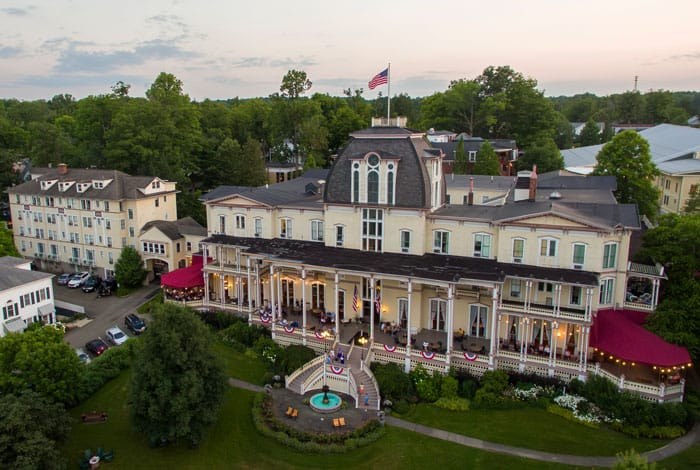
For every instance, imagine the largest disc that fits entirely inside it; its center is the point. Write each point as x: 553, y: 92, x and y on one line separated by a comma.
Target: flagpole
x: 388, y: 95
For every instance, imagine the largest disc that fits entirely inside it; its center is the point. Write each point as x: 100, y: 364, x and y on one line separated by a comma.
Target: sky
x: 224, y: 49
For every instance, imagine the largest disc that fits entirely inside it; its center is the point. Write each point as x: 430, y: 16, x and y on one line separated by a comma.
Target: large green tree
x: 178, y: 382
x: 7, y: 242
x: 692, y: 205
x: 129, y: 270
x: 545, y: 154
x: 590, y: 134
x: 460, y: 167
x: 40, y: 360
x: 673, y: 243
x: 30, y: 427
x: 252, y: 165
x: 486, y: 161
x: 628, y: 159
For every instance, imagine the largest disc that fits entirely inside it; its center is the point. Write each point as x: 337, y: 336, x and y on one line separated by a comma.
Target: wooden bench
x: 94, y: 417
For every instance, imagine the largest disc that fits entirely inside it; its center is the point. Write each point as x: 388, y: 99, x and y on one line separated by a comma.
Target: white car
x: 78, y: 279
x: 83, y: 355
x: 116, y: 336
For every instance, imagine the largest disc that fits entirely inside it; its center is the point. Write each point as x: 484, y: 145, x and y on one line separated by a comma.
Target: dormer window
x: 155, y: 185
x: 373, y: 179
x: 97, y: 184
x: 47, y: 184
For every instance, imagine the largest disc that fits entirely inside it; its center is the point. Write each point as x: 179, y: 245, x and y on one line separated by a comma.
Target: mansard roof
x: 441, y: 268
x: 404, y: 145
x: 177, y: 229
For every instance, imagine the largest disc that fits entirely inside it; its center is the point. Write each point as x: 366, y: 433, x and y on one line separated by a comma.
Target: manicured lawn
x: 240, y: 365
x: 690, y: 459
x: 233, y: 443
x: 531, y: 428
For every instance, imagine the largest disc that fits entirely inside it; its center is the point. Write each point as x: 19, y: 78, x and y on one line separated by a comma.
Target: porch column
x: 272, y: 299
x: 258, y: 300
x: 250, y: 310
x: 557, y: 299
x: 303, y: 306
x: 589, y: 303
x: 407, y: 363
x: 495, y: 324
x: 525, y: 341
x: 528, y: 293
x: 278, y: 286
x: 583, y: 361
x: 553, y: 348
x: 655, y: 298
x: 206, y: 288
x: 337, y: 311
x: 450, y: 322
x: 222, y: 291
x: 371, y: 309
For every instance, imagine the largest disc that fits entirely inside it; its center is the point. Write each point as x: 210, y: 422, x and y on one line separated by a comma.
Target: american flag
x: 380, y: 79
x: 354, y: 300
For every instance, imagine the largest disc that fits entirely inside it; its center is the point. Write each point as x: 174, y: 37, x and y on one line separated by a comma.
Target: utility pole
x: 636, y: 79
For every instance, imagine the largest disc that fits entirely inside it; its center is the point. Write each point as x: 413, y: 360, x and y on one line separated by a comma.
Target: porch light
x: 633, y: 364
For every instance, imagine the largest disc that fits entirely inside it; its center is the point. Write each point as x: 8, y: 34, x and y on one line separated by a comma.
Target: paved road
x: 104, y: 312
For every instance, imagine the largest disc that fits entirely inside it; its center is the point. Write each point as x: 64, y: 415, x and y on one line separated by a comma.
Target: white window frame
x: 405, y: 236
x: 550, y: 246
x: 571, y: 295
x: 317, y: 230
x: 441, y: 242
x: 479, y: 316
x: 516, y: 288
x: 471, y: 155
x: 485, y: 248
x: 222, y: 224
x: 240, y: 221
x: 339, y: 235
x: 257, y: 225
x: 582, y: 262
x: 372, y: 221
x: 518, y: 259
x: 607, y: 291
x: 610, y: 251
x: 286, y: 227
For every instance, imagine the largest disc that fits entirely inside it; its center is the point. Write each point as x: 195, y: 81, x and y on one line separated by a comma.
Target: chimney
x: 470, y: 199
x: 62, y: 168
x: 533, y: 183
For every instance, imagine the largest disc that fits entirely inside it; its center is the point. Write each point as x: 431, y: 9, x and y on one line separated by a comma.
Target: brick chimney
x: 62, y: 168
x: 470, y: 198
x: 533, y: 183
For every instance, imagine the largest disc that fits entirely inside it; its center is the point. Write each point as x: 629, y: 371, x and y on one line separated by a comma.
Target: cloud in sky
x: 256, y: 62
x: 9, y: 51
x: 16, y: 11
x: 689, y: 56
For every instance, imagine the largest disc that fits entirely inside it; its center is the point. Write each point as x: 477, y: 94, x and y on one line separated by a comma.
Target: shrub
x: 449, y: 387
x: 453, y: 404
x: 267, y: 349
x: 220, y: 320
x: 293, y: 357
x: 401, y: 407
x: 240, y: 333
x: 467, y: 388
x: 493, y: 384
x: 427, y: 386
x: 632, y: 460
x: 105, y: 367
x: 569, y: 415
x: 394, y: 384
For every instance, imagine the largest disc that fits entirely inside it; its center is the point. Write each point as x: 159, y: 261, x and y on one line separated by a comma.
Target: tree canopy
x: 178, y: 382
x: 129, y: 270
x: 590, y: 134
x: 7, y: 243
x: 627, y: 157
x: 460, y: 165
x: 487, y: 162
x: 40, y: 360
x: 544, y: 154
x: 30, y: 427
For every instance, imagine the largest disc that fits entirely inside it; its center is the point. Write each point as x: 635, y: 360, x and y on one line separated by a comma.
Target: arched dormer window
x: 356, y: 182
x: 373, y: 179
x: 390, y: 179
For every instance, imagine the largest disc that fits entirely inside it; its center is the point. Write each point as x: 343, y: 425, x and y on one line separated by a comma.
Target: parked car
x: 116, y: 336
x: 135, y: 323
x: 92, y: 283
x: 78, y: 279
x: 83, y: 355
x: 63, y: 279
x: 96, y: 347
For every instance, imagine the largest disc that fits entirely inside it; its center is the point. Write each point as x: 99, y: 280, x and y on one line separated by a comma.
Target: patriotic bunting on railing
x: 319, y: 335
x: 470, y: 356
x: 337, y: 370
x: 427, y: 354
x: 389, y: 348
x: 289, y: 329
x: 265, y: 318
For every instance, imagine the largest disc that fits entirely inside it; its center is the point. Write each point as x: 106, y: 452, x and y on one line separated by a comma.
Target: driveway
x: 103, y: 313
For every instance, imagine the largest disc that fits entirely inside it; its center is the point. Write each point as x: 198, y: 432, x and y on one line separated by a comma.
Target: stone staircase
x: 363, y: 379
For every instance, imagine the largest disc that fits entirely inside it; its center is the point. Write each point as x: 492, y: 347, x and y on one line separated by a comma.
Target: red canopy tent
x: 620, y: 333
x: 182, y: 278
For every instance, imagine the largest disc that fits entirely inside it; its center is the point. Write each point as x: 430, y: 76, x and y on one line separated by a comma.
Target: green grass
x: 531, y: 428
x: 240, y: 365
x: 233, y: 443
x: 690, y: 459
x: 147, y: 307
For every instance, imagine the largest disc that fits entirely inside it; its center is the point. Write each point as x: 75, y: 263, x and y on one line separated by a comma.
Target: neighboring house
x: 674, y: 149
x: 440, y: 136
x: 166, y: 246
x: 26, y: 296
x: 79, y: 220
x: 537, y: 280
x: 278, y: 172
x: 506, y: 150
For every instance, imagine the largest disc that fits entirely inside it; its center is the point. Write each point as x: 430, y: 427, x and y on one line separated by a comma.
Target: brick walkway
x: 318, y: 423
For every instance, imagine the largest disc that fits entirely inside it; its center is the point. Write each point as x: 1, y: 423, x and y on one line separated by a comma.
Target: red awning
x: 182, y: 278
x: 619, y: 333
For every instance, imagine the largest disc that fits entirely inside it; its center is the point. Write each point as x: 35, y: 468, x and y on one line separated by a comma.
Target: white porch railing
x: 315, y: 362
x: 638, y: 306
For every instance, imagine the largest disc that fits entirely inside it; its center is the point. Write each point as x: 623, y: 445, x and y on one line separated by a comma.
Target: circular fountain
x: 325, y: 402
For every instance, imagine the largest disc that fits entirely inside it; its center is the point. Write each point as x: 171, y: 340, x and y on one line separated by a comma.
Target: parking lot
x: 103, y: 312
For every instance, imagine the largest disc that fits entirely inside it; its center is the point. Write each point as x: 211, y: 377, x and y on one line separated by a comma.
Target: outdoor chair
x: 341, y: 420
x: 336, y: 422
x: 289, y: 411
x: 108, y: 456
x: 295, y: 413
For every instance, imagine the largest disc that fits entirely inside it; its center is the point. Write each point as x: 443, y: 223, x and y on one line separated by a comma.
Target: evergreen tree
x: 544, y: 154
x: 486, y: 161
x: 129, y: 270
x: 692, y: 206
x: 460, y: 166
x: 590, y: 134
x: 253, y: 169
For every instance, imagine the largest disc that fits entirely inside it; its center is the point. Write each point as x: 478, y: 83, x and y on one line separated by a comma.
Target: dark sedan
x: 96, y: 347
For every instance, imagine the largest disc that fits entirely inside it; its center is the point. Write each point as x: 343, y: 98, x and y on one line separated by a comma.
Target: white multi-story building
x: 26, y: 296
x: 512, y: 273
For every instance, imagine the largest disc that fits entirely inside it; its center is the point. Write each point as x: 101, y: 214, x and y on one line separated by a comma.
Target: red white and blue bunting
x: 337, y: 370
x: 319, y: 335
x: 389, y: 348
x: 289, y: 329
x: 470, y: 356
x: 265, y: 318
x: 427, y: 355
